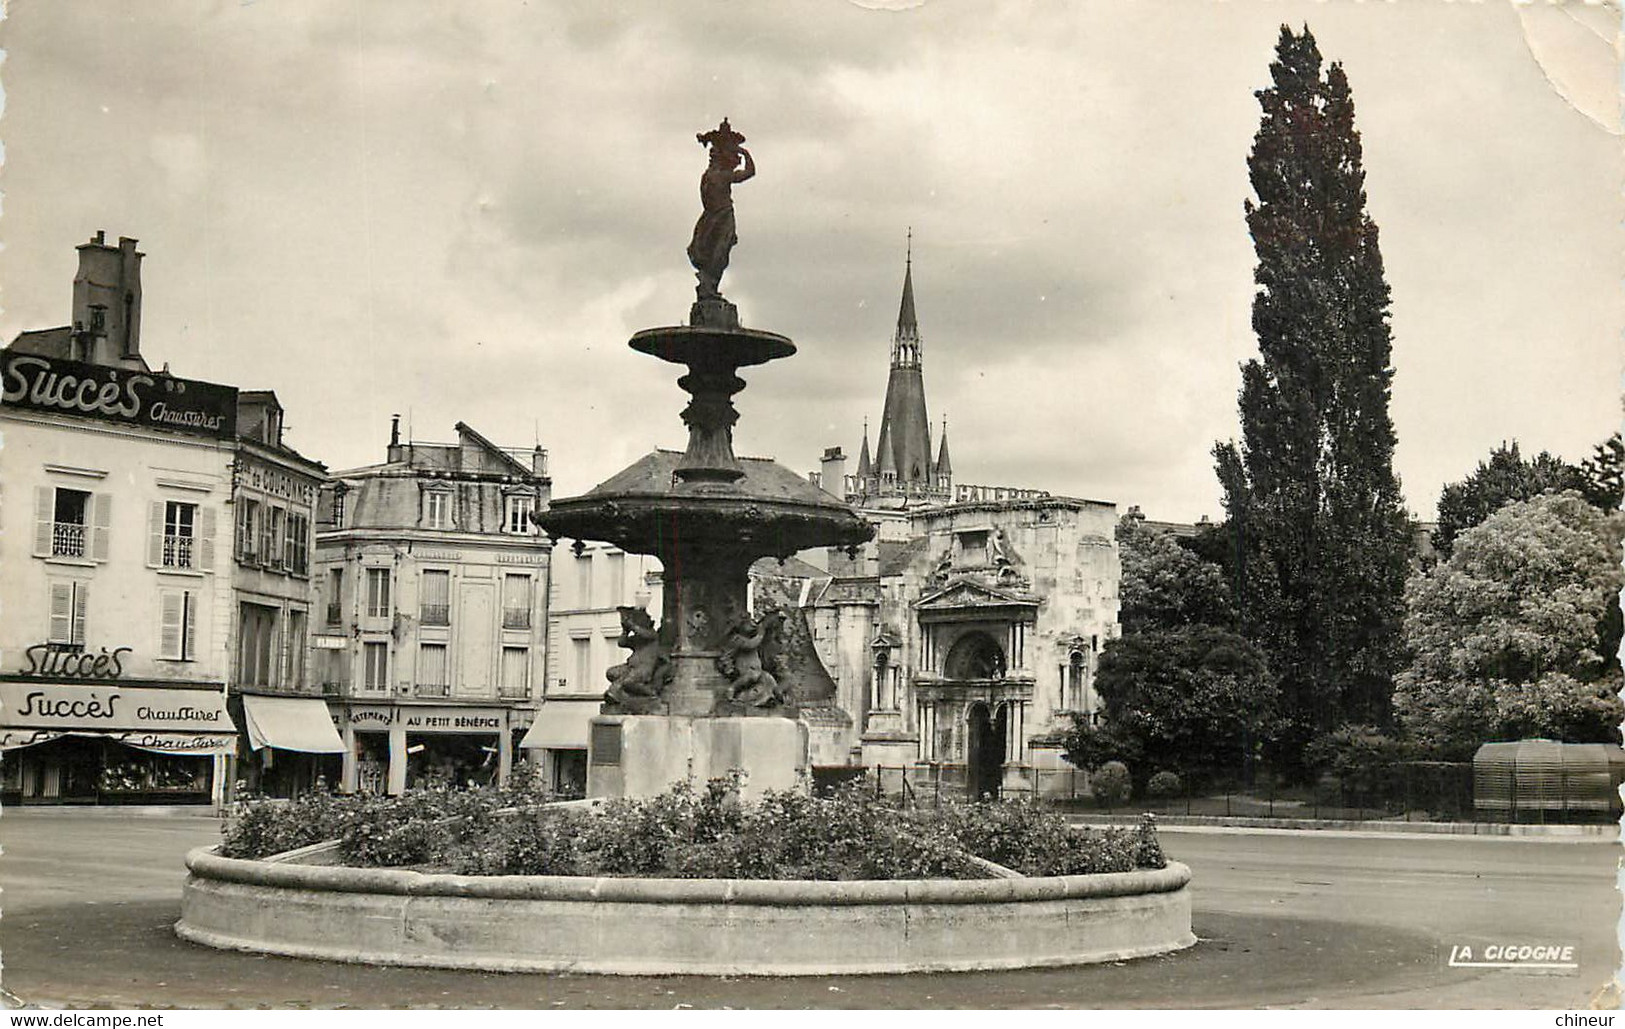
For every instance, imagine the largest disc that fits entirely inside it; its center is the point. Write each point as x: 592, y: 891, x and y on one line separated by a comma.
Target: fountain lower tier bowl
x: 645, y: 510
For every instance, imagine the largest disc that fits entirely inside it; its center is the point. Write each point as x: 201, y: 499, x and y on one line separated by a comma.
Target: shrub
x: 1110, y: 783
x: 1165, y: 784
x: 259, y: 828
x: 683, y: 833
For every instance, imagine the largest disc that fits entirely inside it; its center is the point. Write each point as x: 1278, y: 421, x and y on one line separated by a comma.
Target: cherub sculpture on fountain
x: 751, y: 659
x: 640, y: 679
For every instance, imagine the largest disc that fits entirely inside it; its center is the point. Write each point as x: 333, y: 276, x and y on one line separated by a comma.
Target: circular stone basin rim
x: 205, y: 862
x: 697, y: 345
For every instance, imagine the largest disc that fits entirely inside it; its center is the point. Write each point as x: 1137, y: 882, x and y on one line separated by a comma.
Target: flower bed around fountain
x: 711, y: 907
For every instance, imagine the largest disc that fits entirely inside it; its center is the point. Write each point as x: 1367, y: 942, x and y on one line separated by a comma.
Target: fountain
x: 706, y: 691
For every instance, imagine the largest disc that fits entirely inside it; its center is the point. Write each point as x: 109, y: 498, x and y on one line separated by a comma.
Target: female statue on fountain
x: 715, y: 233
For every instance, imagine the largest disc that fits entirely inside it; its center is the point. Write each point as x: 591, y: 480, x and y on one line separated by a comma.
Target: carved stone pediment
x: 965, y: 593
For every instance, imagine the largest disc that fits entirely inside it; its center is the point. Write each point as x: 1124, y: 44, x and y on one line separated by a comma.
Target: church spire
x: 944, y: 468
x: 864, y: 463
x: 905, y: 345
x: 903, y: 452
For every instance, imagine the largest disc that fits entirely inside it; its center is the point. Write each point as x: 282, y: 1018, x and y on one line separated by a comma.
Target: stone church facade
x: 962, y: 637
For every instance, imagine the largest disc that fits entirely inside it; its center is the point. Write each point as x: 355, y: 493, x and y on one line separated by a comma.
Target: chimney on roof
x: 832, y: 473
x: 394, y: 452
x: 107, y: 302
x: 538, y: 462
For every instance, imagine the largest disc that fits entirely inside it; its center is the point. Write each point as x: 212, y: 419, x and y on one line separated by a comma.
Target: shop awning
x: 291, y: 723
x: 562, y: 724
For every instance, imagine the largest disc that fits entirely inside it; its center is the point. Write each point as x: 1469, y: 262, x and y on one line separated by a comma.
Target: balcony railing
x: 513, y: 692
x: 67, y: 539
x: 177, y: 551
x: 435, y: 614
x: 334, y: 614
x: 332, y: 689
x: 516, y: 618
x: 434, y: 689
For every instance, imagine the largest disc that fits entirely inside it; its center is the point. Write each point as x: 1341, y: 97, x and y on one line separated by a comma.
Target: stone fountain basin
x: 298, y: 905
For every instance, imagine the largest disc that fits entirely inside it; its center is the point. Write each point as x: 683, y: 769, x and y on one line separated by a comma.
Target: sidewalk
x: 1609, y: 831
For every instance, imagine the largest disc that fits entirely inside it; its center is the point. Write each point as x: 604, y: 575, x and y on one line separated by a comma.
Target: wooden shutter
x: 61, y: 612
x: 205, y: 541
x: 290, y: 544
x: 81, y: 596
x: 102, y: 530
x: 44, y: 517
x: 155, y: 534
x: 173, y: 613
x: 189, y: 625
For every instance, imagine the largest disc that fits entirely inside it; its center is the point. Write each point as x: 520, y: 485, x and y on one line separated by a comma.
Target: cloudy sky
x: 462, y: 211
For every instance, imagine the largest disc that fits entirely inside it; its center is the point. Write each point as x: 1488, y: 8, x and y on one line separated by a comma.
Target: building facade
x: 589, y: 583
x: 288, y: 744
x: 116, y: 599
x: 965, y: 634
x: 431, y: 592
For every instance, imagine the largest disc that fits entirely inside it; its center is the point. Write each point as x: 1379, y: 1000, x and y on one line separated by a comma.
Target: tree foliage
x: 1503, y: 479
x: 1513, y: 635
x: 1193, y: 700
x: 1602, y: 474
x: 1322, y: 542
x: 1165, y: 585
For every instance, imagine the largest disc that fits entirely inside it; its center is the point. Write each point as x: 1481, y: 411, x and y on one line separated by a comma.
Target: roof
x: 765, y: 479
x: 463, y: 429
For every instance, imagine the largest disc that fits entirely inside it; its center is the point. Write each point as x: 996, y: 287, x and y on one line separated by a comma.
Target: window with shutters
x: 180, y: 535
x: 375, y: 665
x: 436, y: 606
x: 516, y: 592
x: 256, y: 645
x: 248, y: 528
x: 177, y: 633
x: 583, y: 665
x: 275, y: 543
x: 297, y: 545
x: 71, y: 523
x: 378, y: 593
x: 515, y: 672
x: 68, y: 603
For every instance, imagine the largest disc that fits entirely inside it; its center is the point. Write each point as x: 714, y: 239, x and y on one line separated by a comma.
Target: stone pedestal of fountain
x: 703, y: 694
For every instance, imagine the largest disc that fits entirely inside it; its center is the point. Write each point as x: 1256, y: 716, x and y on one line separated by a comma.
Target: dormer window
x: 437, y: 509
x: 516, y: 511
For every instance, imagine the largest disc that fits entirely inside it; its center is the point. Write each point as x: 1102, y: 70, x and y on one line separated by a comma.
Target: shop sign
x: 118, y: 395
x: 162, y: 742
x: 330, y: 642
x: 28, y: 705
x: 452, y: 719
x: 372, y: 717
x: 50, y: 659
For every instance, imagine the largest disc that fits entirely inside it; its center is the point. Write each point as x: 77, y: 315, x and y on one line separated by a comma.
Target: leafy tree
x: 1512, y: 635
x: 1164, y: 584
x: 1603, y: 474
x: 1506, y: 477
x: 1194, y: 699
x: 1321, y: 539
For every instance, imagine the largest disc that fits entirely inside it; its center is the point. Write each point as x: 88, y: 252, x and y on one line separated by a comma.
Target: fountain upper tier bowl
x: 645, y: 509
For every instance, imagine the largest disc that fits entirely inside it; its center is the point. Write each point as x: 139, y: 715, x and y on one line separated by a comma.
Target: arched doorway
x: 975, y: 655
x: 985, y: 749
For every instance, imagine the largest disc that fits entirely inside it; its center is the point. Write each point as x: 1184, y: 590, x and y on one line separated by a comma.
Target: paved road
x: 1286, y: 919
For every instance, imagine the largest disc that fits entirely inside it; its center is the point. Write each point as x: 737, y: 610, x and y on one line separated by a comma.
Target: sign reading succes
x: 27, y: 705
x: 118, y: 395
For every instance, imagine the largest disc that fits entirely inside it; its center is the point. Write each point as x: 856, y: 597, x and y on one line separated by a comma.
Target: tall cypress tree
x: 1320, y: 539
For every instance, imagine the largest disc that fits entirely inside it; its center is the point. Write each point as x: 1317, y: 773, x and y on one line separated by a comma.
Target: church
x: 965, y: 634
